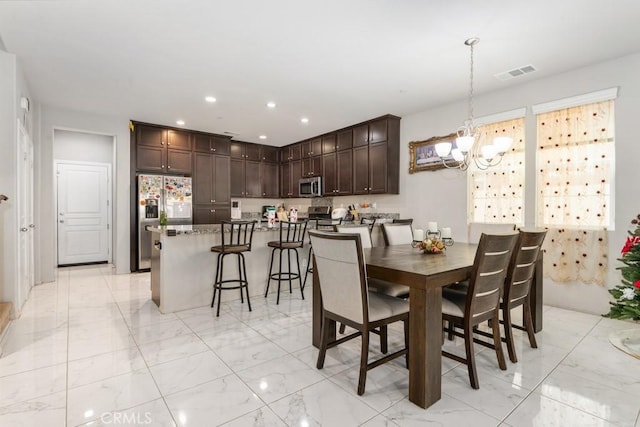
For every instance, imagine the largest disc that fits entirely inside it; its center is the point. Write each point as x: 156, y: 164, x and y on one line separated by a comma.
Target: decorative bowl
x: 431, y: 245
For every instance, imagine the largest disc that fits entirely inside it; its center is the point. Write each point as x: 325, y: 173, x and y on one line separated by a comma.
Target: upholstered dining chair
x: 346, y: 298
x: 397, y: 234
x: 481, y: 301
x: 403, y: 221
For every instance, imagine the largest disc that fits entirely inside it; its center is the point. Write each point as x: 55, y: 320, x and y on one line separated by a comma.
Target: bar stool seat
x: 291, y: 238
x: 240, y: 237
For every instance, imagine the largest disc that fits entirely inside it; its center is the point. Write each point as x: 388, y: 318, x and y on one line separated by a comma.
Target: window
x: 496, y: 195
x: 575, y: 164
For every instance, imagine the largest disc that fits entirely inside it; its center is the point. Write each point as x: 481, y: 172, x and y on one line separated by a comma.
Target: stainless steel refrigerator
x: 157, y: 194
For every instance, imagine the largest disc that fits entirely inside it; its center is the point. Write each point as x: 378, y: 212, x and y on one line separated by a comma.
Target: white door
x: 83, y: 212
x: 25, y: 216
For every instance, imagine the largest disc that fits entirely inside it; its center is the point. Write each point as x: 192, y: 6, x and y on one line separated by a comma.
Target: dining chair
x: 397, y: 234
x: 240, y: 236
x: 477, y: 228
x: 481, y: 302
x: 403, y: 221
x: 339, y: 260
x: 371, y: 222
x: 291, y: 238
x: 319, y: 225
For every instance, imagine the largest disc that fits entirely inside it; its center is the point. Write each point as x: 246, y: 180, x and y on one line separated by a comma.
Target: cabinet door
x: 202, y: 179
x: 344, y: 140
x: 361, y: 135
x: 329, y: 143
x: 178, y: 161
x: 179, y: 139
x: 312, y: 166
x: 237, y: 177
x: 202, y: 214
x: 151, y: 159
x: 378, y: 131
x: 221, y: 181
x: 306, y: 149
x: 316, y: 147
x: 202, y: 143
x: 296, y: 175
x: 269, y: 154
x: 285, y: 180
x: 344, y: 166
x: 221, y: 145
x: 252, y: 152
x: 361, y: 170
x: 221, y: 213
x: 329, y: 174
x: 151, y: 136
x: 378, y: 168
x: 237, y: 150
x: 269, y: 179
x: 253, y: 188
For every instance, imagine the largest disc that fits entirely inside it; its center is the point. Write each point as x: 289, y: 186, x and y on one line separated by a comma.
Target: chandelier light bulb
x: 443, y: 149
x: 465, y: 143
x: 488, y: 152
x: 457, y: 155
x: 502, y: 144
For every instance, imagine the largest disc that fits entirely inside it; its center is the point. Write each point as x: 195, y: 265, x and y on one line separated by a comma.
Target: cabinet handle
x: 214, y: 149
x: 212, y: 211
x: 162, y: 166
x: 264, y: 194
x: 168, y: 167
x: 161, y: 142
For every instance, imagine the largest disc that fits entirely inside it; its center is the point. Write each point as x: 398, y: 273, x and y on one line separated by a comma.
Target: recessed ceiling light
x: 304, y: 120
x: 271, y: 104
x: 210, y: 99
x: 180, y: 122
x: 263, y: 137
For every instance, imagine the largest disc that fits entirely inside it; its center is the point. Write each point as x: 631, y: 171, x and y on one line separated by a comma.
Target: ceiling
x: 336, y: 62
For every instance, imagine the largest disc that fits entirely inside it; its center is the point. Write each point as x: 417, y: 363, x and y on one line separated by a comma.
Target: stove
x: 319, y: 212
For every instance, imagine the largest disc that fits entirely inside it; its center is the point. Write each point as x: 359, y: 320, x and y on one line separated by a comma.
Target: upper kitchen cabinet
x: 344, y: 140
x: 292, y: 152
x: 329, y: 143
x: 376, y: 164
x: 162, y: 150
x: 312, y: 147
x: 212, y: 144
x: 245, y: 151
x: 372, y: 132
x: 269, y: 154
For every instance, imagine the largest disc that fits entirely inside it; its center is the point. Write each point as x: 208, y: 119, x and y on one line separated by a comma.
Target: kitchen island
x: 183, y: 266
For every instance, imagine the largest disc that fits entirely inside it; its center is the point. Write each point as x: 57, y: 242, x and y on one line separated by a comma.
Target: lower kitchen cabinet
x: 211, y: 214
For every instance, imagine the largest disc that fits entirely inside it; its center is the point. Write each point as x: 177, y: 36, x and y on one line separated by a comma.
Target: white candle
x: 418, y: 235
x: 432, y: 226
x: 446, y: 232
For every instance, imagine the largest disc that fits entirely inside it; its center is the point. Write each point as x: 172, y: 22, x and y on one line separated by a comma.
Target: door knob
x: 32, y: 226
x: 24, y: 229
x: 61, y: 221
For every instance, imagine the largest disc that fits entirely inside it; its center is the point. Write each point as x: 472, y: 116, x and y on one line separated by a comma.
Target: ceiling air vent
x: 228, y: 132
x: 516, y: 72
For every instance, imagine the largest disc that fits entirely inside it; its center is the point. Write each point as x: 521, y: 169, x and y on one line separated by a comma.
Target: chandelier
x: 468, y: 147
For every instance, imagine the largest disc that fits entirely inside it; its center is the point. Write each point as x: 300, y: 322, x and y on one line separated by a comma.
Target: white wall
x: 82, y: 147
x: 441, y: 196
x: 117, y: 127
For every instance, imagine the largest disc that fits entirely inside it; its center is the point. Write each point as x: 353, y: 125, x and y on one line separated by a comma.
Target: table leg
x: 425, y: 339
x: 316, y: 319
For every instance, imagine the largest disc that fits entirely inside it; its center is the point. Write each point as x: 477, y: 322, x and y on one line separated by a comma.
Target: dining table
x: 425, y: 275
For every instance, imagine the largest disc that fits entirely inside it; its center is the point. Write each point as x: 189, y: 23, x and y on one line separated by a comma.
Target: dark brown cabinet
x: 269, y: 154
x: 290, y: 174
x: 344, y: 140
x: 376, y: 164
x: 337, y: 171
x: 253, y: 187
x: 292, y: 152
x: 312, y: 166
x: 312, y: 147
x: 205, y: 143
x: 329, y: 143
x: 211, y: 188
x: 162, y: 150
x: 237, y: 177
x: 269, y: 179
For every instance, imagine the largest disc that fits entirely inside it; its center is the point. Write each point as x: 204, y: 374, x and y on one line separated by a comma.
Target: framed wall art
x: 423, y: 156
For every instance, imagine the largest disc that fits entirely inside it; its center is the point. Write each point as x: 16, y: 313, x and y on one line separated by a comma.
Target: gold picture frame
x: 422, y: 154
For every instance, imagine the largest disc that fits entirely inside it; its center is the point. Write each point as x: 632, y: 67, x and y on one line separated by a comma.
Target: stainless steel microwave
x: 310, y: 187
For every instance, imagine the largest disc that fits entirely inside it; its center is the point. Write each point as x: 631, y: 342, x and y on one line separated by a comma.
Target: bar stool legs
x: 284, y: 276
x: 242, y: 281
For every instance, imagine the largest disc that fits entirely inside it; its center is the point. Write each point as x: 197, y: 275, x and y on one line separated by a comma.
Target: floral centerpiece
x: 627, y: 294
x: 431, y: 245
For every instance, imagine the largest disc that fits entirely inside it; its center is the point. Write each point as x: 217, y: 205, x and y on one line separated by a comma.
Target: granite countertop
x: 201, y: 229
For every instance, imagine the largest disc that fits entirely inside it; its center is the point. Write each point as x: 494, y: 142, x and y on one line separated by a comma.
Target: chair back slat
x: 523, y: 264
x: 488, y: 274
x: 293, y: 231
x: 341, y: 272
x: 397, y: 234
x: 237, y: 233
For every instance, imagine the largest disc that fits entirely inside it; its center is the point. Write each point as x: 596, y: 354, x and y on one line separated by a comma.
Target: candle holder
x: 435, y: 234
x: 448, y: 241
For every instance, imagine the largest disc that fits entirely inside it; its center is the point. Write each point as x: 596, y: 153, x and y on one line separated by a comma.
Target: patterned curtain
x: 497, y: 194
x: 575, y: 159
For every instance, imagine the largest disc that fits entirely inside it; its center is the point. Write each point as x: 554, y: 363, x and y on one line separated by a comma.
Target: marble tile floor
x: 92, y: 349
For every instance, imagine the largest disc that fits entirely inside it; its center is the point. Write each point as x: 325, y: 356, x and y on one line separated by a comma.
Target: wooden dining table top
x: 409, y: 266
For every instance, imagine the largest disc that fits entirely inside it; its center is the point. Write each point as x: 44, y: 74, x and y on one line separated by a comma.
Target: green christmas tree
x: 627, y: 294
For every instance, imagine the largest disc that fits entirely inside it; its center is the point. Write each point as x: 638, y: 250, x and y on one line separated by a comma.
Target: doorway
x: 26, y: 268
x: 83, y: 212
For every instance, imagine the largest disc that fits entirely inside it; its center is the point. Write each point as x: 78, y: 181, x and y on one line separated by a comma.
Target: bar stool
x: 291, y: 238
x: 240, y: 237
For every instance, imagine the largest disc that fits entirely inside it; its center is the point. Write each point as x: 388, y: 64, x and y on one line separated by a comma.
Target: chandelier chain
x: 471, y: 87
